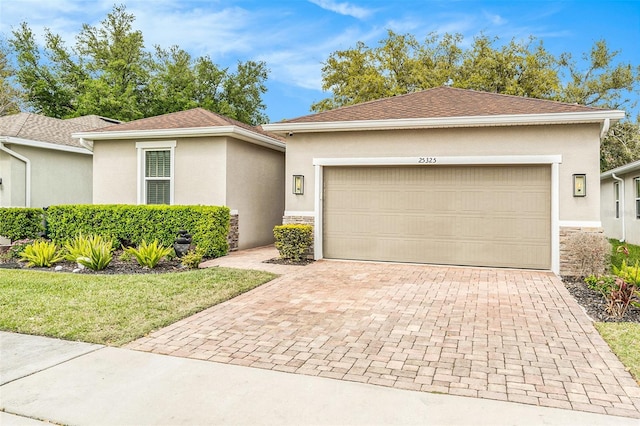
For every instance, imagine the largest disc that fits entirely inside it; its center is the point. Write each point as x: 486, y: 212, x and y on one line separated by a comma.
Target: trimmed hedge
x: 18, y: 223
x: 293, y: 241
x: 130, y: 225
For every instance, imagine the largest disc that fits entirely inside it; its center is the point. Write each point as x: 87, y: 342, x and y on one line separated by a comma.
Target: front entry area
x: 498, y: 216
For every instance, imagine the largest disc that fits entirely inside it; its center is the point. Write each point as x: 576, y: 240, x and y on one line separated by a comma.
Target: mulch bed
x: 280, y: 261
x: 595, y: 305
x: 116, y: 266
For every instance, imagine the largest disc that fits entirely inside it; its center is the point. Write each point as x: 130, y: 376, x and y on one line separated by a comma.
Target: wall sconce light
x: 298, y: 184
x: 579, y: 185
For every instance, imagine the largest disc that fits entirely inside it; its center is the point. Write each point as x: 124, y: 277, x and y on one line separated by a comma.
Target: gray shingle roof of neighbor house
x: 192, y: 122
x: 445, y: 106
x: 34, y: 127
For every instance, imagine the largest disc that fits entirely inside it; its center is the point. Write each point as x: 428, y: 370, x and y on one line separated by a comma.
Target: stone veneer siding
x: 232, y: 238
x: 568, y: 263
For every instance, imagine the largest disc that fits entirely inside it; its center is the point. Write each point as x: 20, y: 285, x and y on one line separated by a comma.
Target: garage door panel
x: 491, y: 216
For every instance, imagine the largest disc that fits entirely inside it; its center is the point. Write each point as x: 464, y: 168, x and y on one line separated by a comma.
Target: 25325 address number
x: 427, y: 160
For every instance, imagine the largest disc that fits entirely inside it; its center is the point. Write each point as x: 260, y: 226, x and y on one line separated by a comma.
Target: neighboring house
x: 447, y: 176
x: 40, y: 164
x: 193, y: 157
x: 620, y: 202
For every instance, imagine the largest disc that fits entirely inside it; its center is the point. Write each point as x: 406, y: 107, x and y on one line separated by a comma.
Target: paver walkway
x: 501, y: 334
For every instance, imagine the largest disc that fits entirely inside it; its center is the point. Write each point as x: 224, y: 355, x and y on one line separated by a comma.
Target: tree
x: 9, y: 95
x: 400, y: 64
x: 108, y: 72
x: 620, y: 146
x: 602, y: 84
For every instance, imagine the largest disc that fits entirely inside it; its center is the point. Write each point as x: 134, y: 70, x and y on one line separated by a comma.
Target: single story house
x: 620, y: 202
x: 41, y: 164
x: 447, y: 176
x: 193, y: 157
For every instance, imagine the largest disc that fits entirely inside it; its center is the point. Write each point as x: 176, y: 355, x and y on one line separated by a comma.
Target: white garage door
x: 456, y: 215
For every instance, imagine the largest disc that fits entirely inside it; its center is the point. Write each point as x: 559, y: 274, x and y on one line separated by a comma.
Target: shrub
x: 602, y: 284
x: 129, y: 225
x: 192, y: 258
x: 591, y: 253
x: 630, y: 274
x: 293, y: 241
x: 98, y: 255
x: 621, y: 296
x: 149, y: 254
x: 41, y: 254
x: 18, y: 223
x: 77, y: 247
x: 18, y: 247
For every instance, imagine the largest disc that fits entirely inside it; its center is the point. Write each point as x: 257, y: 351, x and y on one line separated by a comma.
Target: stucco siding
x: 200, y: 171
x: 57, y: 177
x: 577, y: 144
x: 114, y: 172
x: 612, y: 225
x: 255, y: 188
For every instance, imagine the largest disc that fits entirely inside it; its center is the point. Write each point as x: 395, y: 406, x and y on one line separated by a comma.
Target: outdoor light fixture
x: 298, y: 184
x: 579, y: 185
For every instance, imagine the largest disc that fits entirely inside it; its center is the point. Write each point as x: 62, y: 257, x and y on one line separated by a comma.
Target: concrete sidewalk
x: 74, y: 383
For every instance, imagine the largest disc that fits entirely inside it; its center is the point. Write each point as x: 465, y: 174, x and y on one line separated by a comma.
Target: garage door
x: 457, y: 215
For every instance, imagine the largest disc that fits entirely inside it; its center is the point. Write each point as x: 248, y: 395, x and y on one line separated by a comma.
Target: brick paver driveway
x: 491, y: 333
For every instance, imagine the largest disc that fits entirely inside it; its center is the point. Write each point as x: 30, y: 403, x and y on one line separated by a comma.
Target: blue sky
x: 294, y: 37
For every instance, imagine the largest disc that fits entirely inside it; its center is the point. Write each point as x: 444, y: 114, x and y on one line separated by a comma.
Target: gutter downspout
x: 605, y: 127
x: 27, y: 163
x: 624, y: 234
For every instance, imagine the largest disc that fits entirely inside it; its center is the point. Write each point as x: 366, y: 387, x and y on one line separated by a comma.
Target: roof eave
x: 44, y: 145
x: 232, y: 131
x: 627, y: 168
x: 439, y: 122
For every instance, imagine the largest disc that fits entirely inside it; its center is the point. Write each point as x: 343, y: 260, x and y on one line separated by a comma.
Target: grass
x: 617, y: 258
x: 113, y: 309
x: 624, y: 337
x: 624, y: 340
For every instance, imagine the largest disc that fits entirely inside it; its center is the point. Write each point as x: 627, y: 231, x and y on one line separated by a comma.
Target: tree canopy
x: 401, y: 64
x: 9, y: 95
x: 109, y: 72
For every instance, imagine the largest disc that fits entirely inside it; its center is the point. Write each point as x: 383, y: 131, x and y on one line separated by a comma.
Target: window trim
x: 142, y: 148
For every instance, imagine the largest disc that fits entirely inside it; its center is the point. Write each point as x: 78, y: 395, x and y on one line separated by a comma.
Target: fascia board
x: 467, y: 121
x: 44, y: 145
x: 232, y: 131
x: 627, y: 168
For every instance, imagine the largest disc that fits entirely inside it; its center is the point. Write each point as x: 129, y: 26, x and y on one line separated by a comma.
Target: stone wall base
x: 232, y: 238
x: 569, y: 265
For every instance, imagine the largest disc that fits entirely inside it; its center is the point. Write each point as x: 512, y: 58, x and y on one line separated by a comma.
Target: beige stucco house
x: 41, y: 164
x: 620, y: 202
x: 189, y: 158
x: 447, y: 176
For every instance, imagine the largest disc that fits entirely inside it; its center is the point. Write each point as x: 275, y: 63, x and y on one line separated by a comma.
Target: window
x: 616, y: 198
x: 155, y: 172
x: 636, y: 186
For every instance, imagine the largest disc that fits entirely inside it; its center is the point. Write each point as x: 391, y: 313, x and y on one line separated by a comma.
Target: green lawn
x: 624, y: 340
x: 113, y: 309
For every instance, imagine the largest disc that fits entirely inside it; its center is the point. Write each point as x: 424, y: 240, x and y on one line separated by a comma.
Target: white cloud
x: 494, y: 19
x: 343, y: 8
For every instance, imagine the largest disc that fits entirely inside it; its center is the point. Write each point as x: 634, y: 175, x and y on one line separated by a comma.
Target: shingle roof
x: 189, y: 119
x: 25, y: 125
x: 441, y: 102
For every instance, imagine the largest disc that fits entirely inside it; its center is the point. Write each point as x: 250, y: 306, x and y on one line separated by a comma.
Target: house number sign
x: 427, y: 160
